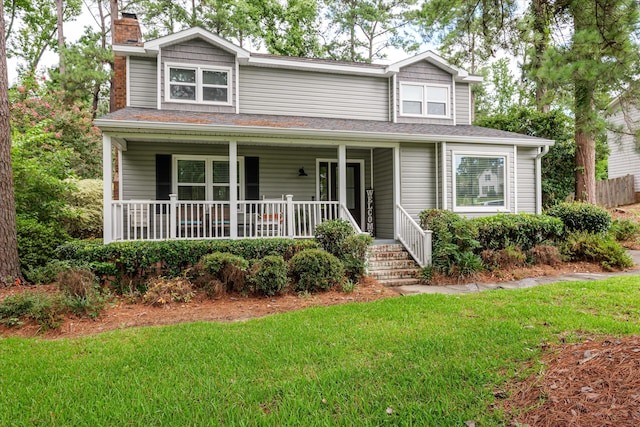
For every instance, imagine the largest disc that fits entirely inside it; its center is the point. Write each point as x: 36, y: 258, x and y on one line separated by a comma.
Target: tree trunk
x: 541, y: 17
x: 585, y: 142
x: 60, y: 28
x: 9, y: 261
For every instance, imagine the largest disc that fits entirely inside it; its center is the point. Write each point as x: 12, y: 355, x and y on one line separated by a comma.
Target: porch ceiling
x: 143, y: 120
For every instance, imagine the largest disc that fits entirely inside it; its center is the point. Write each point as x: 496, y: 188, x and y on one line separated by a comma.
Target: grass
x: 433, y: 359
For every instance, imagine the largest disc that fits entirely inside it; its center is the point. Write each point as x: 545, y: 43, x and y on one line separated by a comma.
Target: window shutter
x: 252, y: 178
x: 163, y: 176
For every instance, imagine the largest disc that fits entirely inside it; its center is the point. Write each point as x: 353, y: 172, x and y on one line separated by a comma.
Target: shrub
x: 426, y: 274
x: 85, y: 209
x: 269, y: 275
x: 348, y: 286
x: 468, y: 264
x: 624, y: 230
x: 161, y: 291
x: 545, y: 254
x: 354, y: 254
x: 521, y: 230
x: 332, y: 234
x: 511, y: 256
x: 583, y: 246
x: 228, y: 268
x: 80, y: 286
x: 44, y: 309
x: 314, y: 270
x: 200, y: 278
x: 453, y: 237
x: 46, y: 273
x: 582, y: 217
x: 37, y: 242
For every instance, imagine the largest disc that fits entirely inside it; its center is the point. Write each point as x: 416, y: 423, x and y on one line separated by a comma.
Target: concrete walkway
x: 517, y: 284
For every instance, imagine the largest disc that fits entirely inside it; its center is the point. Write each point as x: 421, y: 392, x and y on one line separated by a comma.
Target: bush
x: 511, y: 256
x: 314, y: 270
x: 331, y: 235
x: 136, y: 261
x: 453, y: 238
x: 592, y: 247
x: 85, y: 209
x: 46, y: 310
x: 523, y: 230
x: 582, y: 217
x: 161, y: 291
x: 354, y: 254
x: 426, y: 274
x: 228, y: 268
x: 37, y: 242
x: 268, y: 275
x: 545, y: 255
x: 467, y: 264
x: 46, y: 273
x: 81, y: 288
x: 624, y: 230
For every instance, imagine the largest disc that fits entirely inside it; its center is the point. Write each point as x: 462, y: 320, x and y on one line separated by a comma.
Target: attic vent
x: 129, y: 15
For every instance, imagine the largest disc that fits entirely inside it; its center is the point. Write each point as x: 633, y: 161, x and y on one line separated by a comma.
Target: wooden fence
x: 615, y: 192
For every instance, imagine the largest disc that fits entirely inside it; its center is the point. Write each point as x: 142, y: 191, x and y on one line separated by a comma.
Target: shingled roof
x: 144, y: 119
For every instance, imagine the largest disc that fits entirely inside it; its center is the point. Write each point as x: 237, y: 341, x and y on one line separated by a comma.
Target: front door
x: 328, y: 186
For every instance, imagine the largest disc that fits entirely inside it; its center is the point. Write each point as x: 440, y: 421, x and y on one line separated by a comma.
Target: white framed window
x: 424, y: 100
x: 205, y: 178
x: 197, y: 83
x: 480, y: 182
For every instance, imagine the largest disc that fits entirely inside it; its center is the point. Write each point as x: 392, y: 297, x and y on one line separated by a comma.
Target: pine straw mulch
x: 593, y: 383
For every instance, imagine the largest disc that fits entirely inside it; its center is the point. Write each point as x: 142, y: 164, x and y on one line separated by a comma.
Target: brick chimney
x: 126, y: 31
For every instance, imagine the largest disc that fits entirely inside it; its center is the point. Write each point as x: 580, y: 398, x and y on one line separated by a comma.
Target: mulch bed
x: 594, y: 383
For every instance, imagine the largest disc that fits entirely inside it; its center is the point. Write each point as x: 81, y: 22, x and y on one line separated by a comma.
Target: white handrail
x: 416, y: 240
x: 345, y: 214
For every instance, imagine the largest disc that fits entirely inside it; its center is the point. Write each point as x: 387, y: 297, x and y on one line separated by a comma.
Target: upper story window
x: 186, y: 83
x: 424, y: 100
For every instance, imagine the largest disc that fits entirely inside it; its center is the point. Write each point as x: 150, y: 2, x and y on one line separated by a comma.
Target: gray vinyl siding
x: 313, y: 94
x: 383, y: 186
x: 198, y: 52
x: 481, y: 149
x: 418, y: 178
x: 624, y: 159
x: 527, y: 179
x: 463, y: 115
x: 278, y: 167
x: 143, y: 82
x: 424, y: 72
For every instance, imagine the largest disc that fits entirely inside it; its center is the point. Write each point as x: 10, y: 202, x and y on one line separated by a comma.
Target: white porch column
x: 233, y: 189
x: 107, y: 189
x: 342, y: 174
x: 396, y: 190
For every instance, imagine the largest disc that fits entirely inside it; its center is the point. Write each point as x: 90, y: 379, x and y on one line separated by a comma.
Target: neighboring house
x: 217, y: 142
x: 490, y: 184
x: 624, y: 152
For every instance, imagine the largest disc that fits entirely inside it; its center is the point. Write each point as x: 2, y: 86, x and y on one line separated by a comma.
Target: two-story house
x: 217, y: 142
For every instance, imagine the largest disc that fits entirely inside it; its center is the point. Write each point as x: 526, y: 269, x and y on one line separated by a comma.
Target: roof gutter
x: 274, y: 132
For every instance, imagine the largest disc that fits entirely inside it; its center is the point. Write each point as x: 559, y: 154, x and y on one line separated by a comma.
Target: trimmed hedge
x: 520, y: 230
x: 314, y: 270
x: 582, y: 217
x: 140, y: 259
x: 268, y: 275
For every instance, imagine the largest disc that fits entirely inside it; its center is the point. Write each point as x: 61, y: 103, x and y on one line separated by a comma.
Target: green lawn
x: 433, y: 359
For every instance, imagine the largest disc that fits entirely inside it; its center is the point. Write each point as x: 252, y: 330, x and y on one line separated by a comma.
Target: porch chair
x: 138, y: 220
x: 270, y: 221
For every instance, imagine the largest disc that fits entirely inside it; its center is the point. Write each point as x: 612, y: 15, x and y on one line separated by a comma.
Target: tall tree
x: 9, y: 261
x: 60, y: 31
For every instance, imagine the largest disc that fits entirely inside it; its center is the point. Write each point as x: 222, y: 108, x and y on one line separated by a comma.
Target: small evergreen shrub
x: 520, y: 230
x: 81, y: 288
x: 230, y: 269
x: 37, y: 242
x: 509, y: 257
x: 592, y: 247
x: 624, y: 230
x: 314, y: 270
x: 46, y: 273
x: 268, y: 276
x: 331, y: 235
x: 162, y: 291
x: 354, y: 254
x: 426, y: 274
x: 46, y: 310
x: 545, y: 255
x: 200, y: 278
x: 582, y: 217
x: 468, y: 264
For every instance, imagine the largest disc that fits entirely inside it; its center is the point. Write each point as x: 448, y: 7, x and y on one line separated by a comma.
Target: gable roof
x: 145, y: 120
x: 193, y: 33
x: 439, y: 62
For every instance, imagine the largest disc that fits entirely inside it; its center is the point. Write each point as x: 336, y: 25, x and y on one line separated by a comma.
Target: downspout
x: 545, y: 150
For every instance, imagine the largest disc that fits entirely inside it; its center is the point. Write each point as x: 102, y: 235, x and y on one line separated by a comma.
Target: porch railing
x: 416, y: 240
x: 173, y: 219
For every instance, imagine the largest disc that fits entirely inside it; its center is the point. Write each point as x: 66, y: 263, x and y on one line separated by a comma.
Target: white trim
x: 193, y: 33
x: 435, y: 148
x: 515, y: 179
x: 120, y: 186
x: 237, y: 85
x: 541, y: 152
x: 263, y: 131
x: 397, y: 196
x: 443, y: 146
x: 107, y: 189
x: 208, y: 184
x: 126, y: 50
x: 395, y: 99
x: 363, y: 187
x: 342, y: 174
x: 425, y: 100
x: 471, y: 113
x: 233, y: 183
x: 315, y: 66
x: 458, y: 73
x: 127, y: 86
x: 453, y: 101
x: 159, y: 81
x: 199, y: 85
x: 506, y: 175
x: 371, y: 168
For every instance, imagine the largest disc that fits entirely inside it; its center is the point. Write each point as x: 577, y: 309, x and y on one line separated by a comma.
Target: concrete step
x: 400, y: 282
x: 394, y: 274
x: 384, y: 256
x: 390, y: 264
x: 396, y: 247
